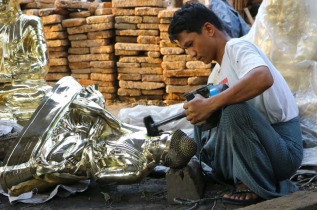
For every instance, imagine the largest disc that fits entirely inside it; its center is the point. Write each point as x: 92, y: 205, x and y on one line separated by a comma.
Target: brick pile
x: 32, y: 7
x: 91, y: 53
x: 56, y: 42
x: 137, y: 50
x: 182, y: 73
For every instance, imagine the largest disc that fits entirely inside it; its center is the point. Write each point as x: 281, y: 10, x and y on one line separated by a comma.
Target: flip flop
x: 241, y: 202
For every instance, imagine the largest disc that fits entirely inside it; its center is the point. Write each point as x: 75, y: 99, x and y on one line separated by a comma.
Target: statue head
x: 9, y: 7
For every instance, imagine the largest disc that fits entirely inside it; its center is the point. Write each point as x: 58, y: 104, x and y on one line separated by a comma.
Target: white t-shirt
x: 276, y: 104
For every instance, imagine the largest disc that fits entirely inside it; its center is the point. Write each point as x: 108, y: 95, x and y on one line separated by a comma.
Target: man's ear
x: 210, y: 29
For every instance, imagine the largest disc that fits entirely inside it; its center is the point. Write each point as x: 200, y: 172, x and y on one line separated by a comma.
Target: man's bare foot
x: 242, y: 194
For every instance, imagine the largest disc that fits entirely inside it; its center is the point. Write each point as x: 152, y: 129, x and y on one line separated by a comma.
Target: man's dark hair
x: 191, y: 18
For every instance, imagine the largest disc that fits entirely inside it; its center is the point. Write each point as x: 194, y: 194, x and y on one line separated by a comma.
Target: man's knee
x: 236, y: 113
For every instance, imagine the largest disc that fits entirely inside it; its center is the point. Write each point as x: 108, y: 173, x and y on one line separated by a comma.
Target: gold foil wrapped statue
x: 24, y: 61
x: 71, y: 138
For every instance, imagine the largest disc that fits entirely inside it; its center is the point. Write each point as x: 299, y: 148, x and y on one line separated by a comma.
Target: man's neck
x: 222, y: 40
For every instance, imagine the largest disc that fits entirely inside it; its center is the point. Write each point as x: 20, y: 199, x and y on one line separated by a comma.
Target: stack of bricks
x: 57, y: 43
x: 91, y: 53
x: 182, y: 73
x: 137, y: 49
x: 32, y: 7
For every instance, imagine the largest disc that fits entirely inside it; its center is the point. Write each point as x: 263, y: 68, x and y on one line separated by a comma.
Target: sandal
x: 241, y: 202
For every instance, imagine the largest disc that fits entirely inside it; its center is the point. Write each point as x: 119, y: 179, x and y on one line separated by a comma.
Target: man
x: 257, y: 144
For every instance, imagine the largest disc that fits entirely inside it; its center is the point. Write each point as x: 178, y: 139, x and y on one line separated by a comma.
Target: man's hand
x: 199, y: 109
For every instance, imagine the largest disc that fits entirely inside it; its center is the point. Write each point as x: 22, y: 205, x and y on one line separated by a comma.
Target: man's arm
x: 251, y: 85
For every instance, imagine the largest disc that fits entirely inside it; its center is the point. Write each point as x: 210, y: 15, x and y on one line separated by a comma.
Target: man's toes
x: 226, y: 196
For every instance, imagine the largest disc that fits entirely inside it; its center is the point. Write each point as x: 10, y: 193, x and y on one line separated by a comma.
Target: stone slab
x: 137, y: 3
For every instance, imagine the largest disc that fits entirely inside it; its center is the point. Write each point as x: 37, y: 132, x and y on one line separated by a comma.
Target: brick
x: 74, y: 4
x: 137, y: 3
x: 125, y: 26
x: 126, y: 52
x: 81, y: 71
x: 102, y: 49
x: 136, y: 47
x: 81, y: 76
x: 90, y: 43
x: 164, y: 36
x: 141, y: 85
x: 187, y: 73
x: 90, y: 28
x: 150, y: 65
x: 82, y: 14
x: 73, y: 22
x: 140, y: 70
x: 79, y: 65
x: 152, y: 78
x: 102, y: 70
x: 181, y: 89
x: 167, y: 13
x: 152, y: 11
x: 150, y: 19
x: 79, y: 50
x: 172, y: 51
x: 126, y: 39
x: 137, y: 32
x: 128, y: 19
x: 174, y: 96
x: 56, y: 35
x: 59, y: 69
x: 52, y: 11
x: 107, y: 89
x: 55, y: 76
x: 34, y: 12
x: 167, y: 43
x: 152, y: 54
x: 52, y: 19
x: 103, y: 11
x: 176, y: 65
x: 58, y: 62
x: 170, y: 58
x: 153, y: 92
x: 148, y: 40
x: 197, y: 80
x: 77, y: 37
x: 53, y: 28
x: 57, y: 43
x: 148, y: 26
x: 176, y: 81
x: 129, y: 77
x: 101, y: 34
x: 109, y: 96
x: 57, y: 54
x: 107, y: 5
x: 122, y: 12
x: 26, y: 1
x: 128, y: 65
x: 86, y: 82
x: 197, y: 65
x: 56, y: 49
x: 172, y: 102
x: 103, y: 77
x: 47, y: 1
x: 90, y: 57
x: 129, y: 92
x: 100, y: 19
x: 164, y: 27
x: 37, y: 5
x: 102, y: 64
x: 107, y: 83
x: 165, y: 20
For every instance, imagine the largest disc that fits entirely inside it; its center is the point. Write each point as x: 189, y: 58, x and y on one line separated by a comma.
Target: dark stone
x: 186, y: 183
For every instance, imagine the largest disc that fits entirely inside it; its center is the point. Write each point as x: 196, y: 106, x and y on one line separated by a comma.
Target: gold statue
x: 23, y: 59
x: 70, y: 138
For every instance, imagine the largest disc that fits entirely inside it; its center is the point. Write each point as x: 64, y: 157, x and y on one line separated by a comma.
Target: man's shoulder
x: 238, y: 42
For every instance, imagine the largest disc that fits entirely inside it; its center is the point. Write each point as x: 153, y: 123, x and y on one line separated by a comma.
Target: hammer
x: 152, y: 127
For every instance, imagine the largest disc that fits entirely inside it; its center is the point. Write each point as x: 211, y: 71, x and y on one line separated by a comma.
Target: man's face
x: 4, y: 5
x: 200, y: 46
